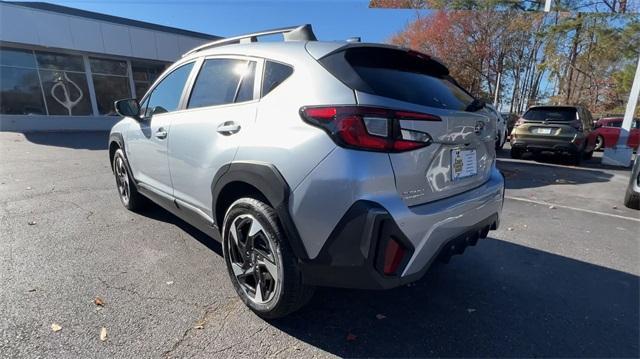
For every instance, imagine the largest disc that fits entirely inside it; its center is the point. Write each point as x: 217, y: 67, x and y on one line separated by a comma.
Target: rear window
x: 397, y: 74
x: 551, y: 114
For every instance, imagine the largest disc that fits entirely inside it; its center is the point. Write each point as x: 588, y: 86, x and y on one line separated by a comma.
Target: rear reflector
x: 369, y: 128
x: 393, y: 255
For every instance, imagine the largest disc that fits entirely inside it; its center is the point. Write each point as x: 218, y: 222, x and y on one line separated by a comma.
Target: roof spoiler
x: 293, y: 33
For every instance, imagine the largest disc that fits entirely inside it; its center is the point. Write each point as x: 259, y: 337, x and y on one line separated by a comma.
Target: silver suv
x: 315, y: 163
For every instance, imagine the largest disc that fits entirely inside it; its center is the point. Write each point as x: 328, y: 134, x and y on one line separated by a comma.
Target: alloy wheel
x: 122, y: 179
x: 253, y: 259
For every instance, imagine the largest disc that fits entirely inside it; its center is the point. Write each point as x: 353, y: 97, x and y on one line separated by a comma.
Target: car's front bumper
x: 352, y: 256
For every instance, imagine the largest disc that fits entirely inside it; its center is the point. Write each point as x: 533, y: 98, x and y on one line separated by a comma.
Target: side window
x: 165, y: 97
x: 617, y: 124
x: 223, y: 81
x: 274, y: 74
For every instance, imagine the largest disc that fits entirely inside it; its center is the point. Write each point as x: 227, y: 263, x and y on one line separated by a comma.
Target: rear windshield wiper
x: 476, y: 105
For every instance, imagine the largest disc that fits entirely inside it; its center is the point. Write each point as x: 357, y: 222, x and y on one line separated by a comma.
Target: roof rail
x: 293, y: 33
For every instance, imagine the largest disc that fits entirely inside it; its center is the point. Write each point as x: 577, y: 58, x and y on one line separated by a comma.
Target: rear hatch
x: 461, y: 153
x: 549, y: 122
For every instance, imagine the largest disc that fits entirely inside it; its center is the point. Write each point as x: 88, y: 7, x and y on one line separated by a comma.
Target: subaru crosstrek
x: 315, y: 163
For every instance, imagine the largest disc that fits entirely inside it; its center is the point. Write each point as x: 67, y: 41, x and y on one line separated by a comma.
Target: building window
x: 144, y: 75
x: 111, y: 83
x: 20, y: 91
x: 64, y: 83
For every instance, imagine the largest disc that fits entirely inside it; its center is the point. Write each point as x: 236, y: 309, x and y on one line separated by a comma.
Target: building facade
x: 62, y: 68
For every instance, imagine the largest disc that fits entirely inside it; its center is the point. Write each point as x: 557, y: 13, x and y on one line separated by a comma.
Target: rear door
x: 221, y: 106
x: 463, y: 149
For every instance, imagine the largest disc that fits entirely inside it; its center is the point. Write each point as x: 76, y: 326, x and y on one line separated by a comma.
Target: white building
x: 62, y: 68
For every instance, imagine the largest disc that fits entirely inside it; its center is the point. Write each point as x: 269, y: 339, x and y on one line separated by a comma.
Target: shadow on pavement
x: 504, y: 300
x: 498, y: 299
x: 519, y: 174
x: 95, y: 140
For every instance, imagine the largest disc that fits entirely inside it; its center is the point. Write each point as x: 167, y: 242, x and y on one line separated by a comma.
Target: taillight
x: 369, y: 128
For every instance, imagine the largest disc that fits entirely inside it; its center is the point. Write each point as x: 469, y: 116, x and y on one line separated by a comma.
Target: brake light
x: 369, y: 128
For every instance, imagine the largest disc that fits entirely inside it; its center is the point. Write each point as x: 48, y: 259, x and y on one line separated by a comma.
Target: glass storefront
x: 49, y: 83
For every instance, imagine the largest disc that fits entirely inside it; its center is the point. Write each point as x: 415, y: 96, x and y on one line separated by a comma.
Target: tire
x: 599, y: 143
x: 516, y: 154
x: 576, y: 158
x: 588, y: 155
x: 263, y: 260
x: 129, y: 196
x: 632, y: 200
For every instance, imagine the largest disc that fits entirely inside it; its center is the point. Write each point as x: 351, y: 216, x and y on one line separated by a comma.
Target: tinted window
x: 397, y: 74
x: 20, y: 92
x: 218, y: 80
x: 550, y: 114
x: 166, y: 96
x: 274, y: 74
x: 615, y: 124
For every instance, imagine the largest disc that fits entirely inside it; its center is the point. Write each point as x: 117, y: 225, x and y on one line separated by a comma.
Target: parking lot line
x: 572, y: 208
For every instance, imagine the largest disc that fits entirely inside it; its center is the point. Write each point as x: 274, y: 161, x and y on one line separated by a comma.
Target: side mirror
x: 128, y: 108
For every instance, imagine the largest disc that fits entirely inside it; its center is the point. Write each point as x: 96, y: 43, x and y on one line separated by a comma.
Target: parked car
x: 315, y: 163
x: 559, y: 129
x: 501, y: 127
x: 607, y: 131
x: 511, y: 119
x: 632, y: 195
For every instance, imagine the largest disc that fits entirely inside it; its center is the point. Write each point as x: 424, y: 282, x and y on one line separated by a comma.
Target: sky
x: 331, y: 20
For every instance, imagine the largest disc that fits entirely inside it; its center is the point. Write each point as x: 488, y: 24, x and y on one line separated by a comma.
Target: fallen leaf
x: 32, y: 223
x: 380, y: 316
x: 524, y: 225
x: 170, y: 282
x: 56, y: 327
x: 103, y: 334
x: 98, y: 301
x: 351, y: 337
x: 32, y: 290
x: 28, y: 188
x: 471, y: 310
x: 199, y: 324
x: 615, y: 207
x: 552, y: 207
x: 510, y: 229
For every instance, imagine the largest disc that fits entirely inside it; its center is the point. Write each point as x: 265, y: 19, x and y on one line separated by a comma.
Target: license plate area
x: 464, y: 164
x: 542, y: 130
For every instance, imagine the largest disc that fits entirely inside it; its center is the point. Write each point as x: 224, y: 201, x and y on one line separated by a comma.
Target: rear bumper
x: 353, y: 256
x: 536, y: 144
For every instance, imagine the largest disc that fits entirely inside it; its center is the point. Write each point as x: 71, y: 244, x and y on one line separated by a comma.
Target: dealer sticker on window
x: 463, y: 164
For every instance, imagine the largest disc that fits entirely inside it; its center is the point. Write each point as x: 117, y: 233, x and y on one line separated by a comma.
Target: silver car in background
x: 315, y: 163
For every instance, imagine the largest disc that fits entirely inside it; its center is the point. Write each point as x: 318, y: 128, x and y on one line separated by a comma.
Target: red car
x: 608, y: 130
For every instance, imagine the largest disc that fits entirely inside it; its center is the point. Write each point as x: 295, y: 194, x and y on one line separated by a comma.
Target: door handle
x: 228, y: 128
x: 161, y: 133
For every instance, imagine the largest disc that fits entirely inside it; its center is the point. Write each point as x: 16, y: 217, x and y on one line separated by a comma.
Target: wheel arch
x: 255, y: 179
x: 115, y: 142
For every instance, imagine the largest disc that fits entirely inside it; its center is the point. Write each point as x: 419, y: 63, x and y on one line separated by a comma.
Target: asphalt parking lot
x: 559, y: 278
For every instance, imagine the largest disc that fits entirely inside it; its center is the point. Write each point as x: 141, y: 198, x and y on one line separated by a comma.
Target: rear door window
x: 223, y: 81
x: 397, y: 74
x: 550, y: 114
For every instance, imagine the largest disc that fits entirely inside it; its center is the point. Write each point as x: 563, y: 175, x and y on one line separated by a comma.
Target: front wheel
x: 262, y: 266
x: 127, y: 191
x: 599, y: 143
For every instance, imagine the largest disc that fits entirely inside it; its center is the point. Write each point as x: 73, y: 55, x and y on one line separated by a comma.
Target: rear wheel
x: 516, y: 153
x: 127, y: 191
x: 263, y: 268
